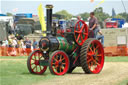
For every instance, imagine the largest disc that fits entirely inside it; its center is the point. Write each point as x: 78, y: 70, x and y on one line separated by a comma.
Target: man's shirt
x: 93, y: 21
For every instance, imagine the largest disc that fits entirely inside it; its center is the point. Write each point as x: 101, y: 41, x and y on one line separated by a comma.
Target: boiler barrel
x: 56, y: 43
x: 65, y: 46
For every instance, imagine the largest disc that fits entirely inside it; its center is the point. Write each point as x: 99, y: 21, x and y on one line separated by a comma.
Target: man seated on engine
x: 100, y: 36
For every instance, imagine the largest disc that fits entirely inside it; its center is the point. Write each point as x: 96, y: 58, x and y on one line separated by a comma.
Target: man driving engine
x: 93, y: 25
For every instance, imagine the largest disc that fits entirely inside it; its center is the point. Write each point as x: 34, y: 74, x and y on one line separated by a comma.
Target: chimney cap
x: 49, y: 6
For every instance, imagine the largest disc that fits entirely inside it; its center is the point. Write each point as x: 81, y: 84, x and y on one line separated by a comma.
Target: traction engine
x: 62, y: 54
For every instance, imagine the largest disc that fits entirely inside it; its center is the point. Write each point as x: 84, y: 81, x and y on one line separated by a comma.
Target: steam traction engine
x: 64, y: 53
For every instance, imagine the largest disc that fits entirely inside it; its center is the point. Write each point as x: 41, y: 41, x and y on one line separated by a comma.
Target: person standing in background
x: 28, y: 45
x: 78, y: 18
x: 35, y: 44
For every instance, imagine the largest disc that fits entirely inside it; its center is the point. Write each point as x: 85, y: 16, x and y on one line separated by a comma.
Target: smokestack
x: 49, y: 19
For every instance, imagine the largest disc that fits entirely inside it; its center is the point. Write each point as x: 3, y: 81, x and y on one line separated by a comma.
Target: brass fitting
x: 49, y: 6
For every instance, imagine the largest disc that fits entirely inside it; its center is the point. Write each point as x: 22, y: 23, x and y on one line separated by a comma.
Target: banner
x: 42, y: 19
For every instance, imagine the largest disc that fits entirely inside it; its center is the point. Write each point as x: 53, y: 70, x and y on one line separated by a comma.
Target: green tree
x: 119, y: 16
x: 84, y: 16
x: 65, y: 14
x: 101, y: 16
x: 9, y: 14
x: 124, y: 15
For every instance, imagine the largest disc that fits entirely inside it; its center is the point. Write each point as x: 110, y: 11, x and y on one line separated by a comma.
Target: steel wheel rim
x: 34, y: 63
x: 80, y: 33
x: 95, y: 56
x: 60, y: 63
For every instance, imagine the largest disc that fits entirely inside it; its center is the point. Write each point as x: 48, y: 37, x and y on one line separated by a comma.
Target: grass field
x: 13, y: 71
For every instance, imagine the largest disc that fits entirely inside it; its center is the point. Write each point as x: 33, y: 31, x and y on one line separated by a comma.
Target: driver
x: 93, y: 24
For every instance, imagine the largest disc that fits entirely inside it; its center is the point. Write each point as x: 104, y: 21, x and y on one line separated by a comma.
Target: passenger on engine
x: 100, y: 36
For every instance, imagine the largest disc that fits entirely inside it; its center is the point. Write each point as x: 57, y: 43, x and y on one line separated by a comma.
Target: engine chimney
x: 49, y: 19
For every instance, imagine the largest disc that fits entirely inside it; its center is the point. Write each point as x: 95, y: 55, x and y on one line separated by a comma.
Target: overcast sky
x: 73, y: 6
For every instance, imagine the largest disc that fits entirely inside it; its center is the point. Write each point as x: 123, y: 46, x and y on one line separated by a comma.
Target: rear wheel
x: 92, y: 56
x: 33, y: 62
x: 59, y: 63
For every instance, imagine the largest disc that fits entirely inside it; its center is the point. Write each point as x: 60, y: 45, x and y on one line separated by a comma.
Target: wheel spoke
x: 40, y: 67
x: 91, y: 64
x: 89, y: 60
x: 53, y: 63
x: 35, y: 57
x: 90, y: 54
x: 60, y: 57
x: 63, y: 63
x: 82, y: 28
x: 60, y: 69
x: 97, y: 58
x: 34, y: 67
x: 97, y: 47
x: 81, y: 38
x: 78, y: 37
x: 85, y: 33
x: 91, y: 49
x: 96, y: 62
x: 55, y: 59
x: 56, y: 67
x: 99, y: 55
x: 40, y: 57
x: 77, y: 32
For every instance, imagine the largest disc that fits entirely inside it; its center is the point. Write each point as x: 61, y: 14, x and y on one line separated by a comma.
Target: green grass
x: 117, y: 59
x: 124, y: 82
x: 13, y: 57
x: 15, y: 72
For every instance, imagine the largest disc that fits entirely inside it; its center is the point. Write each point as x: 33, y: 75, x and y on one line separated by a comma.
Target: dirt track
x: 112, y: 74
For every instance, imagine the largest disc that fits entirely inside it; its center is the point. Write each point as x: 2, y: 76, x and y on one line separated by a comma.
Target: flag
x: 99, y: 3
x: 42, y: 20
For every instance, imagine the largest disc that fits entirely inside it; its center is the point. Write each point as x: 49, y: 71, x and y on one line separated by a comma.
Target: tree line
x: 98, y: 13
x: 101, y: 16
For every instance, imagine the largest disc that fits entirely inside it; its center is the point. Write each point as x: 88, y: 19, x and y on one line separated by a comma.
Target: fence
x: 109, y: 51
x: 116, y: 51
x: 11, y: 51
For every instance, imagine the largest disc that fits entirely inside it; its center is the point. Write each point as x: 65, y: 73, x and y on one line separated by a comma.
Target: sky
x: 72, y: 6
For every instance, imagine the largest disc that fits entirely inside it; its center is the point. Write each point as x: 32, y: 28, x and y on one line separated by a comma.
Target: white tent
x: 8, y: 19
x: 125, y: 25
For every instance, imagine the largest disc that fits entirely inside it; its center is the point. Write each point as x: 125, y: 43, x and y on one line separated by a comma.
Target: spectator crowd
x: 17, y: 45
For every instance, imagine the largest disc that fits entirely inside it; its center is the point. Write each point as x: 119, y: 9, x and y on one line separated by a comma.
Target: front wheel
x: 59, y: 63
x: 33, y: 62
